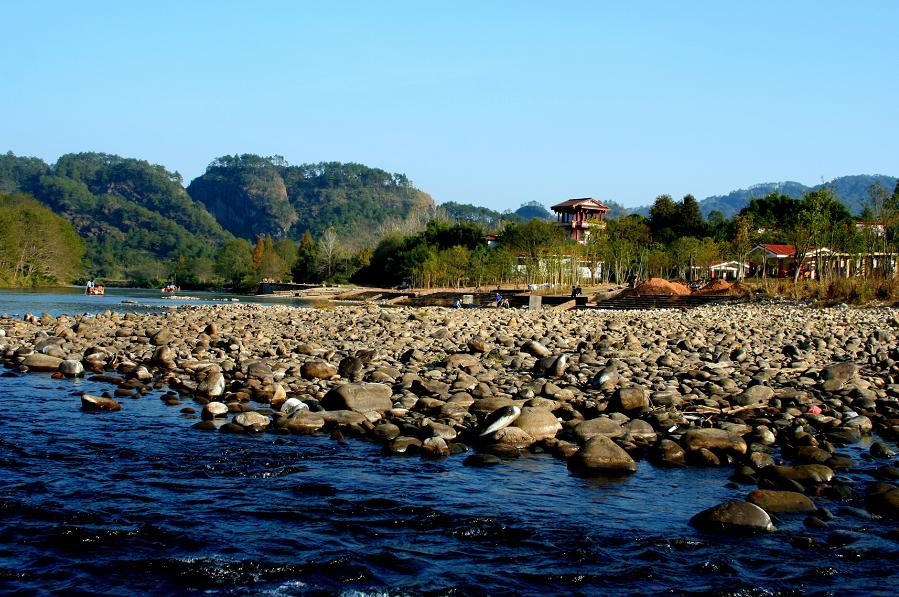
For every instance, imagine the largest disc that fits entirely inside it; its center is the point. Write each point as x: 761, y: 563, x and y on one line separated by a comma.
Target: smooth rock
x: 71, y: 368
x: 714, y: 439
x: 252, y: 420
x: 539, y: 423
x: 42, y: 362
x: 359, y: 397
x: 602, y: 455
x: 772, y: 501
x: 587, y: 430
x: 736, y: 517
x: 212, y: 410
x: 97, y: 403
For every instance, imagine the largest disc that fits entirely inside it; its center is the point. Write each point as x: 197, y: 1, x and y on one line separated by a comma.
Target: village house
x: 779, y: 261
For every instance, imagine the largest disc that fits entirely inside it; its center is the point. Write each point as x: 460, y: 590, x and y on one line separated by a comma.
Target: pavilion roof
x: 583, y: 203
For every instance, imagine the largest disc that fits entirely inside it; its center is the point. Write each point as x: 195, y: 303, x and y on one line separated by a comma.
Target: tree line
x: 674, y: 241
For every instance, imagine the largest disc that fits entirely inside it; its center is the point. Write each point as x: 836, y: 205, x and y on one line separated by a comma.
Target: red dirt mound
x: 715, y: 287
x: 660, y: 286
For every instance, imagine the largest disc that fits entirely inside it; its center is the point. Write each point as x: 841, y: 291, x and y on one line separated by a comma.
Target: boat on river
x: 95, y: 291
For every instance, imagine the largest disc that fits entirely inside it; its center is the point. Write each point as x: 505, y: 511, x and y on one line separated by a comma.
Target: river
x: 137, y: 502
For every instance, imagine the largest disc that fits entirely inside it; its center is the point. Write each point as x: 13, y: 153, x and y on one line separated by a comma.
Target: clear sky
x: 491, y: 103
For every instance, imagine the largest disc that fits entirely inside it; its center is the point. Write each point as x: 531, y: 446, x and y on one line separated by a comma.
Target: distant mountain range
x: 851, y: 190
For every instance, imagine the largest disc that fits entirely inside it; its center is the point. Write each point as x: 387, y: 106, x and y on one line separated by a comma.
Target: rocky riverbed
x: 771, y: 391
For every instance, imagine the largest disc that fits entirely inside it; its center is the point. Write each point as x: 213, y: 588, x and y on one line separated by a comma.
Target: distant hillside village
x: 250, y: 218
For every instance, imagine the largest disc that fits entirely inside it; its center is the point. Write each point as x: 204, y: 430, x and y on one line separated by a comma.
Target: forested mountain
x: 134, y: 216
x: 852, y: 191
x: 252, y: 195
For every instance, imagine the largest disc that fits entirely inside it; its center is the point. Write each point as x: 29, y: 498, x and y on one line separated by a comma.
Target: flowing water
x: 137, y: 502
x: 73, y: 301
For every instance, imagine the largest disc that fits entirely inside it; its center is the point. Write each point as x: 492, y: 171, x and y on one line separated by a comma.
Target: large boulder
x: 213, y: 385
x: 737, y: 517
x: 162, y: 337
x: 359, y: 397
x: 42, y: 362
x: 71, y: 368
x: 714, y: 439
x: 631, y: 398
x: 539, y: 423
x: 772, y: 501
x: 587, y: 430
x: 601, y: 455
x: 214, y: 409
x: 802, y: 473
x: 534, y: 348
x: 252, y: 421
x: 754, y: 396
x: 318, y: 370
x: 304, y: 422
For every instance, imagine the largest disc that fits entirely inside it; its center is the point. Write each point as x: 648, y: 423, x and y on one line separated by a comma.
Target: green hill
x: 134, y: 217
x: 252, y: 195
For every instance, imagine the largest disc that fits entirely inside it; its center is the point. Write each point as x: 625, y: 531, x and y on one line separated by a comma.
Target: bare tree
x: 329, y: 248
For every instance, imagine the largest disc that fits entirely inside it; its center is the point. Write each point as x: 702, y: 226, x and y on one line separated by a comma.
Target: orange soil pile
x: 718, y: 286
x: 660, y: 286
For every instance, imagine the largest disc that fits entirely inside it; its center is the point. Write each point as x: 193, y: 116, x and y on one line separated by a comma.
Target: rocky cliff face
x: 252, y: 195
x: 247, y: 196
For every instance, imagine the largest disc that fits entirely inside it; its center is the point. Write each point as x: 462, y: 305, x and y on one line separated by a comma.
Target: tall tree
x: 38, y: 247
x: 305, y: 268
x: 328, y: 253
x: 663, y: 219
x: 258, y: 252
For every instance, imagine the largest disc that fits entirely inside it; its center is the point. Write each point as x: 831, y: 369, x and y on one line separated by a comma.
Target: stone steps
x: 654, y: 301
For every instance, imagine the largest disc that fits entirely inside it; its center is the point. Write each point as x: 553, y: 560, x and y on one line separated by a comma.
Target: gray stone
x: 753, y: 395
x: 587, y: 430
x: 71, y: 368
x: 252, y: 420
x: 42, y: 362
x: 212, y: 410
x: 359, y: 397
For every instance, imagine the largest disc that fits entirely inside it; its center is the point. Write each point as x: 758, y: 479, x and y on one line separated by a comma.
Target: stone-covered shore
x: 772, y: 391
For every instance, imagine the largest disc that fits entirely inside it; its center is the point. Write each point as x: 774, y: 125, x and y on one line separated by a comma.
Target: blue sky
x: 491, y: 103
